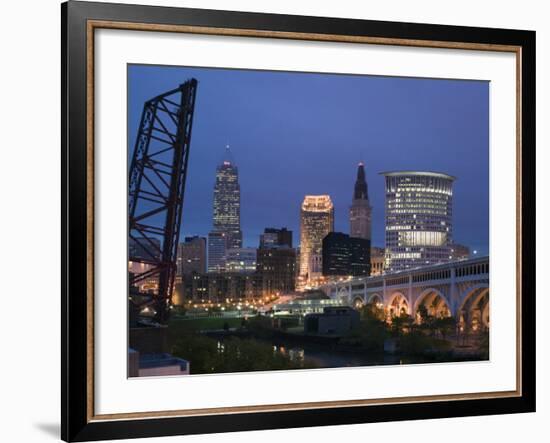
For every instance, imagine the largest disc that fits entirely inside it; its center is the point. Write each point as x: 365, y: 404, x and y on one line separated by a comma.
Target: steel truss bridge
x: 459, y: 289
x: 156, y: 189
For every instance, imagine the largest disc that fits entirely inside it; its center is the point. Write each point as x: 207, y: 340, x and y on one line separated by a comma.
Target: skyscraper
x: 360, y: 213
x: 344, y: 255
x: 316, y: 221
x: 276, y: 262
x: 227, y: 201
x: 217, y: 245
x: 419, y: 229
x: 274, y: 236
x: 241, y: 260
x: 192, y: 256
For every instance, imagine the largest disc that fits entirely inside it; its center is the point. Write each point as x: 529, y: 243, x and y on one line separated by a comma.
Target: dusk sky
x: 293, y: 134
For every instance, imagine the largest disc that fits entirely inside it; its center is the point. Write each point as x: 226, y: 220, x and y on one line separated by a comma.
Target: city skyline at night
x: 229, y: 166
x: 284, y: 153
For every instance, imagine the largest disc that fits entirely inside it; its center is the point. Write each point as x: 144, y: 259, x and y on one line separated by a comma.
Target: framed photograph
x: 276, y: 221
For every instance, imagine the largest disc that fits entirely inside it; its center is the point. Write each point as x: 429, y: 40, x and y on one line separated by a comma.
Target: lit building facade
x: 277, y: 270
x: 316, y: 221
x: 345, y: 256
x: 276, y: 267
x: 227, y: 202
x: 276, y: 237
x: 217, y: 245
x: 360, y: 213
x: 419, y: 228
x: 218, y: 288
x: 377, y: 260
x: 192, y: 256
x: 241, y: 260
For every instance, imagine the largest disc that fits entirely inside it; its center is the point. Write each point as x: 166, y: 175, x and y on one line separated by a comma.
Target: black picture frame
x: 75, y: 418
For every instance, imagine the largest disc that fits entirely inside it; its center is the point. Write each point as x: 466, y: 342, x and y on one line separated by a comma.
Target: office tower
x: 192, y: 256
x: 217, y: 245
x: 277, y: 270
x: 360, y: 213
x: 276, y: 262
x: 227, y: 201
x: 274, y: 236
x: 240, y: 260
x: 218, y: 288
x: 316, y: 221
x: 345, y: 256
x: 419, y: 227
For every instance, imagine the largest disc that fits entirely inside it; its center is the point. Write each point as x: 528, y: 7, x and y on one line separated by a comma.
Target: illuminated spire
x: 228, y: 159
x: 360, y: 212
x: 361, y: 191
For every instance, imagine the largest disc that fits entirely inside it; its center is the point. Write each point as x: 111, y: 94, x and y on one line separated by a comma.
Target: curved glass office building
x: 419, y: 227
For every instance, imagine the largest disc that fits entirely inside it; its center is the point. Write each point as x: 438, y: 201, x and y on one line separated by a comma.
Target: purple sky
x: 293, y: 134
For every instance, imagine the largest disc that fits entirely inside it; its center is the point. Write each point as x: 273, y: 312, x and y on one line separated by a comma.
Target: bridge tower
x: 156, y: 189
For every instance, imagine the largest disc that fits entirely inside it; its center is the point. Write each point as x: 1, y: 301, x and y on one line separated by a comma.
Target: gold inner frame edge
x: 92, y: 25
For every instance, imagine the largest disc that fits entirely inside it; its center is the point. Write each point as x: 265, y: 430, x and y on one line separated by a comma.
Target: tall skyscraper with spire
x: 360, y: 213
x: 227, y: 201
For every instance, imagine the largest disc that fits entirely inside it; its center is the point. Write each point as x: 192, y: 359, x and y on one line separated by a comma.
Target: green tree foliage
x: 372, y: 313
x: 445, y: 326
x: 208, y: 355
x: 401, y: 324
x: 372, y: 330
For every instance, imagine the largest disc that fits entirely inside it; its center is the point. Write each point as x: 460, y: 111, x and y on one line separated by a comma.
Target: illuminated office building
x: 217, y: 245
x: 345, y: 256
x: 360, y: 213
x: 276, y: 237
x: 191, y: 256
x: 316, y: 221
x: 241, y: 260
x: 277, y: 270
x: 419, y: 228
x: 227, y: 202
x: 276, y: 262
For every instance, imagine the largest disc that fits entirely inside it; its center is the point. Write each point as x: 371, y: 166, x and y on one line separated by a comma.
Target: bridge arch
x: 343, y: 293
x: 375, y: 298
x: 473, y: 313
x: 358, y: 301
x: 397, y: 304
x: 435, y: 302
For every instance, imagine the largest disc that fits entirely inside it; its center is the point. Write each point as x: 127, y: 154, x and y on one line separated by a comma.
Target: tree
x: 401, y: 324
x: 445, y: 326
x: 372, y: 312
x: 426, y: 320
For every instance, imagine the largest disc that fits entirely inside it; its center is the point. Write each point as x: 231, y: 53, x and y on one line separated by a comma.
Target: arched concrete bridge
x: 459, y: 289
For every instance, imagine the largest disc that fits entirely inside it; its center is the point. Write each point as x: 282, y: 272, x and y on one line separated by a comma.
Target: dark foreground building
x: 344, y: 255
x: 277, y: 270
x: 335, y: 320
x: 276, y: 262
x: 274, y: 237
x: 217, y: 287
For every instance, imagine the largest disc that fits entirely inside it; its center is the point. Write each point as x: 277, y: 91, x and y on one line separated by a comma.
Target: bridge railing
x: 464, y: 270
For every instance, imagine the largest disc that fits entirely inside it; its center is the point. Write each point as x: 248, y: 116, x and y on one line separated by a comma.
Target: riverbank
x: 238, y: 344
